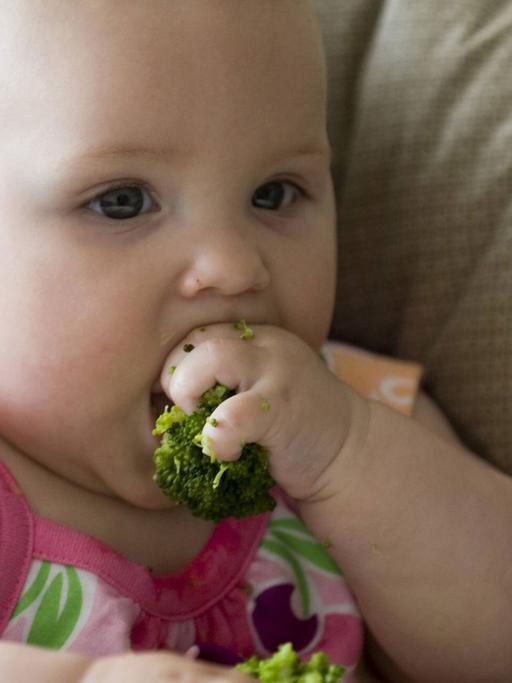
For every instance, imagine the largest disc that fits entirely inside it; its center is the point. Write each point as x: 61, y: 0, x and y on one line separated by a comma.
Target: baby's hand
x: 25, y: 664
x: 159, y: 668
x: 287, y: 400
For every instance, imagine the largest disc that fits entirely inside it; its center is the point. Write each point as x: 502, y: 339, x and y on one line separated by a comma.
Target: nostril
x: 230, y: 265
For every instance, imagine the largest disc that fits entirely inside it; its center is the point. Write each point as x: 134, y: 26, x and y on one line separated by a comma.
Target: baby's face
x: 163, y: 166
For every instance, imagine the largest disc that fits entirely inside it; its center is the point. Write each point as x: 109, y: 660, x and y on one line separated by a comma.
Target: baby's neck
x: 163, y: 540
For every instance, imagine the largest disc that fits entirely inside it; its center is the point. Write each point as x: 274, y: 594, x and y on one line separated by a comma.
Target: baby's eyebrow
x: 122, y: 152
x: 322, y: 152
x: 127, y: 152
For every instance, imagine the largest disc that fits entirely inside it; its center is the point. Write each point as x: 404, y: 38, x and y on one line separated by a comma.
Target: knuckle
x: 216, y: 348
x: 277, y: 420
x: 234, y: 413
x: 197, y: 336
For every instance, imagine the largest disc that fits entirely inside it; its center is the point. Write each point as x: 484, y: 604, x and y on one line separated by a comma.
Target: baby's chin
x: 119, y: 459
x: 143, y: 494
x: 155, y: 502
x: 125, y: 472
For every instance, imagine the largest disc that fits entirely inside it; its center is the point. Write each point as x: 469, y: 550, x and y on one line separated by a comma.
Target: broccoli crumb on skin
x: 243, y: 327
x: 265, y: 406
x: 285, y: 666
x: 211, y: 489
x: 328, y: 544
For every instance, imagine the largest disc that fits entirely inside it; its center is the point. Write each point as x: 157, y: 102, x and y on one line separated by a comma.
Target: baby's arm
x: 420, y: 527
x: 26, y: 664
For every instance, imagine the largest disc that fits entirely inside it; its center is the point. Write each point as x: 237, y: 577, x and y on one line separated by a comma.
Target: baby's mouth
x: 158, y: 402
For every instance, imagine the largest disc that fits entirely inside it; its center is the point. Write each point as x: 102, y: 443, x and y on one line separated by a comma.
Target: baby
x: 165, y: 172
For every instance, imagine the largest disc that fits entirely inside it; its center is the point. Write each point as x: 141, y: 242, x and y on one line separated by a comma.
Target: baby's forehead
x: 97, y: 67
x: 44, y: 38
x: 138, y: 18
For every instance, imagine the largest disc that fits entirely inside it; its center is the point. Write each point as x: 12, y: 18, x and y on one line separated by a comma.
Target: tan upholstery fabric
x: 421, y: 122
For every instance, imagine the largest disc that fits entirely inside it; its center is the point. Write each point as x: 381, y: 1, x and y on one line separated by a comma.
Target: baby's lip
x: 157, y: 388
x: 158, y: 403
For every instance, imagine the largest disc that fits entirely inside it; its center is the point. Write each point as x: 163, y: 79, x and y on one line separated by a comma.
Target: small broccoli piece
x: 243, y: 327
x: 212, y: 489
x: 265, y: 406
x: 285, y: 666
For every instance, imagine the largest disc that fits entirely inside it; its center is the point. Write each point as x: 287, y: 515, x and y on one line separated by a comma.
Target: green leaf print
x: 301, y: 542
x: 288, y: 523
x: 310, y: 550
x: 288, y: 538
x: 49, y: 628
x: 300, y: 579
x: 33, y: 591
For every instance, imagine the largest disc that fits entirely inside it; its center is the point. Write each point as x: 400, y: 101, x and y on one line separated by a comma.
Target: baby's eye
x: 123, y: 202
x: 276, y: 195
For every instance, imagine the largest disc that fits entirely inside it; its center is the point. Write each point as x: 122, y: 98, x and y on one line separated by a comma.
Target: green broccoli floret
x: 285, y: 666
x: 210, y: 488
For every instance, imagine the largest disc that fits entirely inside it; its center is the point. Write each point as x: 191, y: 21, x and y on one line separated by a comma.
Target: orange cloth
x: 393, y: 382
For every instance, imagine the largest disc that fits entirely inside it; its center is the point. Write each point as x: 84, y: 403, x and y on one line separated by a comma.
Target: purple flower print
x: 276, y: 623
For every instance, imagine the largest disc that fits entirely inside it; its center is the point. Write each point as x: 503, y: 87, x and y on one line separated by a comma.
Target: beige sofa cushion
x: 421, y: 124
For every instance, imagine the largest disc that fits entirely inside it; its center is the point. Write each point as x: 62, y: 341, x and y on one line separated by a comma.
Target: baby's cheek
x: 24, y: 395
x: 25, y: 420
x: 41, y: 408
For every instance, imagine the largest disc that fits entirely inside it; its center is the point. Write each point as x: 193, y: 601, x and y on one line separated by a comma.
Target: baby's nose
x: 227, y: 261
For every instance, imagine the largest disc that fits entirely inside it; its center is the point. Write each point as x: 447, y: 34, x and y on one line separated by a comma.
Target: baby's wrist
x: 344, y: 472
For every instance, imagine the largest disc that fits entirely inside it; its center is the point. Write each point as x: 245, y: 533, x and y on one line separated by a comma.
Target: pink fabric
x: 114, y: 614
x: 16, y: 541
x: 25, y: 536
x: 221, y: 601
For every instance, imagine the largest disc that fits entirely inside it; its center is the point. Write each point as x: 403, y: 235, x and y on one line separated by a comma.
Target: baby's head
x: 163, y: 166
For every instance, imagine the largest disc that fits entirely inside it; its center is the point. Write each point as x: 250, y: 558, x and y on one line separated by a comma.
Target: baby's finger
x: 158, y: 666
x: 217, y: 361
x: 244, y: 418
x: 234, y: 331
